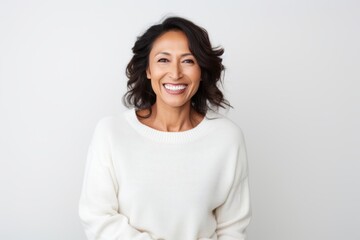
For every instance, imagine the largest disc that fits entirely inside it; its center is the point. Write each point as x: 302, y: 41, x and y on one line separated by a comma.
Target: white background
x: 292, y: 77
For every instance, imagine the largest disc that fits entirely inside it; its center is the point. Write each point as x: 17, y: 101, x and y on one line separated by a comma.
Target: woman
x: 170, y: 168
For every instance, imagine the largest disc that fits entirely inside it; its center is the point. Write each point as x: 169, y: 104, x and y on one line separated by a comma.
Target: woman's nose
x: 175, y: 71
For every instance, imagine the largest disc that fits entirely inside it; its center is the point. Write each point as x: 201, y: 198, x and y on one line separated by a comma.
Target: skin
x: 175, y: 77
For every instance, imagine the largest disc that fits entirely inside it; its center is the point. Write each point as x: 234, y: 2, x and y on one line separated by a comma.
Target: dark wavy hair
x: 140, y: 93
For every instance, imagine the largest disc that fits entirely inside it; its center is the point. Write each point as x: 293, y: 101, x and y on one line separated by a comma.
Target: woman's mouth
x: 175, y: 88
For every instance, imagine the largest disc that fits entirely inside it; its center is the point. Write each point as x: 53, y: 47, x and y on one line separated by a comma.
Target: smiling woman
x: 173, y: 70
x: 175, y: 77
x: 171, y: 167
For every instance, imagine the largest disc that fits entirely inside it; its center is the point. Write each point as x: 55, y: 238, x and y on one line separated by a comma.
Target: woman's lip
x: 175, y: 84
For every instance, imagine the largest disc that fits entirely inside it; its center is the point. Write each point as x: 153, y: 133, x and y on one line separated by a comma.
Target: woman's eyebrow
x: 168, y: 54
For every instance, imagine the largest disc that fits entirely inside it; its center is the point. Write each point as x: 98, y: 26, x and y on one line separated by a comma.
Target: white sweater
x: 142, y: 184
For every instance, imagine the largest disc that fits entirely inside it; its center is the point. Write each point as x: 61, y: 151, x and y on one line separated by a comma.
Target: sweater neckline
x: 169, y: 137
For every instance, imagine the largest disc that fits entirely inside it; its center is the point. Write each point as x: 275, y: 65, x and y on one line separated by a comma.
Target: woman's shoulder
x: 224, y: 126
x: 223, y: 121
x: 112, y: 122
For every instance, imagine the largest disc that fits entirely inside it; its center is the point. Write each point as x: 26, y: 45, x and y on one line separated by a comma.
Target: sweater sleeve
x: 98, y: 206
x: 233, y: 216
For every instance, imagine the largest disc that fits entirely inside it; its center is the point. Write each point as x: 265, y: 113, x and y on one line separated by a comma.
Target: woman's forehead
x: 172, y: 41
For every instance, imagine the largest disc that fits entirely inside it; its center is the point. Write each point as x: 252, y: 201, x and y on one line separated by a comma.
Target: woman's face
x: 173, y: 70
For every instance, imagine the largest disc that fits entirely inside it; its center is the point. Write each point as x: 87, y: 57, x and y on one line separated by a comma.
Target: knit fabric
x: 145, y: 184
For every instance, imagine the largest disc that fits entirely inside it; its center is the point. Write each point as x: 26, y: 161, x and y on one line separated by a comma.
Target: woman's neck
x: 171, y: 119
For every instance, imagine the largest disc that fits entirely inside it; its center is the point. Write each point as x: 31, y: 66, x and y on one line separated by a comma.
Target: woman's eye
x: 163, y: 60
x: 188, y: 61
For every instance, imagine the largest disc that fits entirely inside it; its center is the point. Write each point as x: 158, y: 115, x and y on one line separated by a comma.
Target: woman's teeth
x: 176, y: 87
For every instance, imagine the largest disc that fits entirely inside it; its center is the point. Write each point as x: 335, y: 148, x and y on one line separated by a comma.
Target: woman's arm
x: 98, y: 206
x: 233, y: 216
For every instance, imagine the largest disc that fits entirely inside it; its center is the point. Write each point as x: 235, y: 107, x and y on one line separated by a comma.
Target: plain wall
x: 292, y: 76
